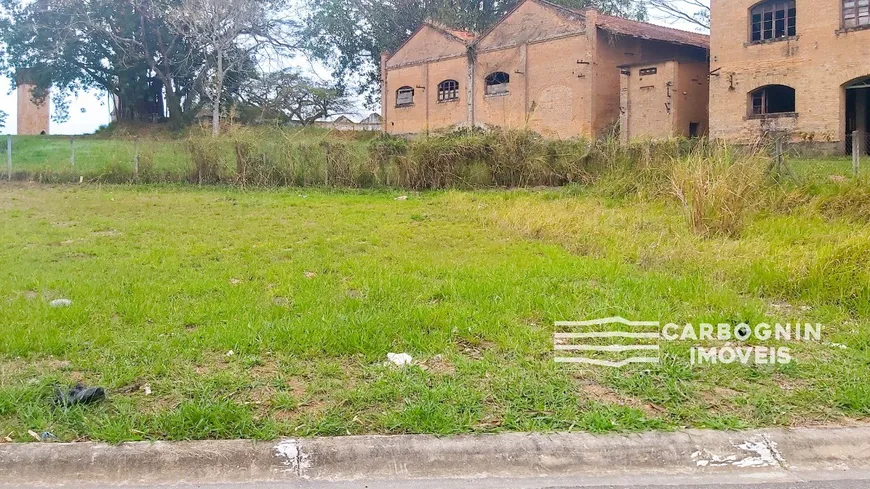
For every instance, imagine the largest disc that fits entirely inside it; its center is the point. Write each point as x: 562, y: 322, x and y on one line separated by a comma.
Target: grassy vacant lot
x: 311, y: 289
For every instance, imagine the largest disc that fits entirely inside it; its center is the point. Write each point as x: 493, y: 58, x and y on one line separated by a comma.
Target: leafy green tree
x: 125, y: 47
x: 289, y: 96
x: 349, y: 35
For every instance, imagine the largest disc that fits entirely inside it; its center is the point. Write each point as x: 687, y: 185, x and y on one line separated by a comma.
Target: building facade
x: 34, y: 117
x: 548, y: 68
x: 664, y: 99
x: 799, y: 68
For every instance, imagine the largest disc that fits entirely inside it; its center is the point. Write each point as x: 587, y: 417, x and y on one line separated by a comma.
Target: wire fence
x: 57, y: 158
x: 277, y: 160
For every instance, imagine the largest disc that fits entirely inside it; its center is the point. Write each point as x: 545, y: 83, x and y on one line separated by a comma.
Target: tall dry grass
x: 718, y: 188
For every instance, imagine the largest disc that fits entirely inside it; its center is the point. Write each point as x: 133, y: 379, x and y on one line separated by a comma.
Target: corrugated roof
x: 644, y: 30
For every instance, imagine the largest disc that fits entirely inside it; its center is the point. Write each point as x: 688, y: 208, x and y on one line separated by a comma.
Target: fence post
x: 856, y: 152
x: 9, y: 155
x: 779, y: 156
x: 72, y: 151
x: 136, y: 159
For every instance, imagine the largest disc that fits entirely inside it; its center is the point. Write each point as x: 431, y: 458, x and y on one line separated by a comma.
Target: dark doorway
x: 858, y: 114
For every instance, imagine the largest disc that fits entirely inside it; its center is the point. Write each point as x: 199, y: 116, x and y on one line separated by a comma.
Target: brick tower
x: 33, y: 118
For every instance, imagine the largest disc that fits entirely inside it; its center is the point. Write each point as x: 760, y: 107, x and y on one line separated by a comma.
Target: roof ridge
x: 643, y: 22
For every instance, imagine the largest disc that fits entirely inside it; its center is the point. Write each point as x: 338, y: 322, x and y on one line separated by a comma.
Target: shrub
x: 717, y: 189
x: 207, y: 158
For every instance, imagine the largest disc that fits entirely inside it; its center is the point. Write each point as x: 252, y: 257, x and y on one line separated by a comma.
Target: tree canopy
x: 129, y: 48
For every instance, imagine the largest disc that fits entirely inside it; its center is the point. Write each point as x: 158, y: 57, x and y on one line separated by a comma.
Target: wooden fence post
x: 9, y: 155
x: 856, y: 153
x: 72, y: 151
x: 136, y: 159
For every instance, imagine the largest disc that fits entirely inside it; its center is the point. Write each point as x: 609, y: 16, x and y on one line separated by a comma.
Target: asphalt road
x: 859, y: 481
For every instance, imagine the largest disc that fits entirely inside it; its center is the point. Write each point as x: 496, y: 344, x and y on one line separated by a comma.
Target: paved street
x: 859, y: 480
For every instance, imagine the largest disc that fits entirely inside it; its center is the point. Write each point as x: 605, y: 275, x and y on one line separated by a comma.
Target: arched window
x: 856, y: 13
x: 772, y: 99
x: 448, y: 90
x: 774, y: 19
x: 404, y: 96
x: 497, y: 83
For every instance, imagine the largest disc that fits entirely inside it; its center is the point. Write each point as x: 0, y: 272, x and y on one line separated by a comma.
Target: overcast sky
x: 90, y: 111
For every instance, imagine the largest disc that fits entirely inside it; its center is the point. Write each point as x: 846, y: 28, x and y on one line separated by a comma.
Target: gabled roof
x: 564, y: 10
x: 618, y: 25
x: 464, y: 37
x: 643, y: 30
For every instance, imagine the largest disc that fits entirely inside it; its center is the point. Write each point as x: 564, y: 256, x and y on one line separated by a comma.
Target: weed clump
x: 717, y: 189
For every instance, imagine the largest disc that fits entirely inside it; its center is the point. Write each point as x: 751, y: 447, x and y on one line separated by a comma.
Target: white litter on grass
x: 402, y: 197
x: 230, y: 353
x: 60, y: 303
x: 147, y: 389
x: 291, y: 456
x: 399, y: 359
x: 837, y: 345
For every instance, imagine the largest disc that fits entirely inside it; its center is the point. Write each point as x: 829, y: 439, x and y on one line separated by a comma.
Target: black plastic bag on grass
x: 80, y: 394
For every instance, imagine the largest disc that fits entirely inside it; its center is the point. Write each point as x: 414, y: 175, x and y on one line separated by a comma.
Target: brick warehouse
x: 555, y: 70
x: 800, y: 67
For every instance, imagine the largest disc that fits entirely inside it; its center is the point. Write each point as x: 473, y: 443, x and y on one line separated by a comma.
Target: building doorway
x: 858, y: 114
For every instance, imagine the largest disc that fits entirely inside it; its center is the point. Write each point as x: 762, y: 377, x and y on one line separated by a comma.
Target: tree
x: 349, y: 35
x: 289, y: 96
x: 229, y: 33
x: 695, y: 12
x: 125, y: 47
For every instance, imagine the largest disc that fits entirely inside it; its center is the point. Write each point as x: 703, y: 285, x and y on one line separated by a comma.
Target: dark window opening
x: 497, y: 83
x: 404, y: 96
x: 648, y: 71
x: 448, y: 90
x: 856, y: 13
x: 773, y: 99
x: 774, y: 20
x: 694, y: 129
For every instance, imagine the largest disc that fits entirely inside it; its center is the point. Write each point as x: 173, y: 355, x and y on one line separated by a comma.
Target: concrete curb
x: 691, y: 453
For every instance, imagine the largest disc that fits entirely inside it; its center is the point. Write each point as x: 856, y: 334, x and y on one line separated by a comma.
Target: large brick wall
x: 428, y: 58
x: 818, y: 62
x: 665, y: 103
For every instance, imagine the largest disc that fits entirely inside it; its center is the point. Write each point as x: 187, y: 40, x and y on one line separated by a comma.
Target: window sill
x: 780, y: 115
x: 846, y: 30
x: 493, y: 95
x: 770, y: 41
x: 404, y: 106
x: 449, y: 101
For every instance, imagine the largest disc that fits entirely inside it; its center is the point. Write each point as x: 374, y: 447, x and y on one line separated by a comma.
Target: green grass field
x: 311, y: 289
x: 92, y: 155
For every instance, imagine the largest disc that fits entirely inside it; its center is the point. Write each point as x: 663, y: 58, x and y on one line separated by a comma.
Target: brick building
x: 795, y: 67
x: 33, y: 117
x: 552, y: 69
